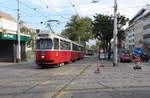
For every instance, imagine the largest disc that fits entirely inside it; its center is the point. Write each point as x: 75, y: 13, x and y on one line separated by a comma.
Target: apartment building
x: 138, y: 30
x: 8, y: 38
x: 146, y: 31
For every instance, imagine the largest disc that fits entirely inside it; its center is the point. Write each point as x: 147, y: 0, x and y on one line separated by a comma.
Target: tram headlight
x: 42, y: 56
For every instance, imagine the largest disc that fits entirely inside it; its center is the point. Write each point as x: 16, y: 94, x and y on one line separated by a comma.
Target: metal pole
x: 18, y: 34
x: 79, y: 39
x: 115, y: 47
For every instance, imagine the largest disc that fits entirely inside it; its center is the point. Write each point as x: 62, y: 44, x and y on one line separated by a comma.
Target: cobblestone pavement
x: 76, y: 80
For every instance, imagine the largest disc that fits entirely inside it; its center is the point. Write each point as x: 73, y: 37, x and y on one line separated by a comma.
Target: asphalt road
x: 75, y: 80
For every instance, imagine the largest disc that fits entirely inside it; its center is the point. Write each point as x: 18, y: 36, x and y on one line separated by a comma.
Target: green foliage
x: 79, y: 29
x: 103, y: 29
x: 94, y: 47
x: 30, y: 44
x: 122, y: 20
x: 24, y: 30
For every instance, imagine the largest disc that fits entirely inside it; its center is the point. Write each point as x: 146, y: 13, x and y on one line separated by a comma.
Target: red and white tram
x: 54, y: 49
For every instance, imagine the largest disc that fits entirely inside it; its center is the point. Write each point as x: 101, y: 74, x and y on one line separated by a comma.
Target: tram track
x: 57, y: 91
x: 62, y: 88
x: 67, y: 84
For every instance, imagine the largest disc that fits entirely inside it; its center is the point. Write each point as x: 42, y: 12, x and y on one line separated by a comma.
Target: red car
x: 125, y: 56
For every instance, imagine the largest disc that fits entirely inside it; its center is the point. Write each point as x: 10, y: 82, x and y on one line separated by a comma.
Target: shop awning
x: 10, y: 36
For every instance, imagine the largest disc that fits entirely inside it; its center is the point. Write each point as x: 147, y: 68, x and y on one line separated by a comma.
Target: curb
x: 3, y: 64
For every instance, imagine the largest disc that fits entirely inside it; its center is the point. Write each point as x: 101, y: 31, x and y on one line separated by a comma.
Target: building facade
x: 8, y: 39
x: 138, y: 30
x: 130, y: 37
x: 146, y: 30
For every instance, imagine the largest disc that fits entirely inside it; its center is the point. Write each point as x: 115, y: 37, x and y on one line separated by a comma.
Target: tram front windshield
x: 44, y: 44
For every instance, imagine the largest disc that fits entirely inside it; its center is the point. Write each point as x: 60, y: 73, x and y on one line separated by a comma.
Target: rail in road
x: 62, y: 88
x: 78, y: 77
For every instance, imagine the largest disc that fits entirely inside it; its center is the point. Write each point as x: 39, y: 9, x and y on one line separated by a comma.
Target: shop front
x: 8, y: 46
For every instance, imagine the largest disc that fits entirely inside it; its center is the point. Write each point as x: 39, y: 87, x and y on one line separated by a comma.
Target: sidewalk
x: 122, y: 79
x: 30, y: 59
x: 12, y: 64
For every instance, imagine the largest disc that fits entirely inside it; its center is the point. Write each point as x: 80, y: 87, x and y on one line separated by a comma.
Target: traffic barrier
x: 137, y: 62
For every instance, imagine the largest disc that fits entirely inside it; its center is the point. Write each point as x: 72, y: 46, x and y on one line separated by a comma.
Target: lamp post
x: 115, y: 43
x: 18, y: 34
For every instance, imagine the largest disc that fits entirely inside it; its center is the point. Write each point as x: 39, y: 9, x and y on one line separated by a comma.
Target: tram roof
x: 66, y: 39
x: 60, y: 37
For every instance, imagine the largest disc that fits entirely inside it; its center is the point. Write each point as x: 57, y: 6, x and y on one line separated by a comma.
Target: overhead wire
x: 53, y: 9
x: 44, y: 16
x: 34, y: 9
x: 73, y: 6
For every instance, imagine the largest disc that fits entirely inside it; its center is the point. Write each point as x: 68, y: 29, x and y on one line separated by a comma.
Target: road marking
x: 45, y: 82
x: 42, y: 82
x: 62, y: 93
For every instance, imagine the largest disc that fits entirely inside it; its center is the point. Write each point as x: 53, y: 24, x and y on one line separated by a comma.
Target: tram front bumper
x: 44, y: 61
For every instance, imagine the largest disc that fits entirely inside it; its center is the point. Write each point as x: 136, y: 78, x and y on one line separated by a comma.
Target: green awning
x: 9, y: 36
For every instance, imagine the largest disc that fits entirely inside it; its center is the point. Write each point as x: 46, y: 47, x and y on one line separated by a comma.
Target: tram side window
x: 75, y: 47
x: 56, y: 43
x: 79, y: 48
x: 68, y: 45
x: 82, y: 49
x: 64, y: 45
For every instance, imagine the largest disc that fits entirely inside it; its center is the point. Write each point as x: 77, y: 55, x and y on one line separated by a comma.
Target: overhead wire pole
x: 115, y: 38
x: 18, y: 34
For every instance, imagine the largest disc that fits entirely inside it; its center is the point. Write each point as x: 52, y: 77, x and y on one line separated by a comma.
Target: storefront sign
x: 10, y: 36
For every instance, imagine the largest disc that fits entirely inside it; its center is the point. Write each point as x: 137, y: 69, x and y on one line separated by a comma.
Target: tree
x: 103, y: 29
x: 30, y: 43
x: 79, y: 29
x: 24, y: 29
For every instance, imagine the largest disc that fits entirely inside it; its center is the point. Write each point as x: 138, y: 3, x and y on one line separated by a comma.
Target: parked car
x: 145, y: 57
x: 139, y: 51
x: 89, y: 52
x: 125, y: 56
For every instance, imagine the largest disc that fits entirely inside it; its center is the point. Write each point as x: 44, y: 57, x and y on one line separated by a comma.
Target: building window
x: 146, y: 36
x: 133, y: 40
x: 146, y: 26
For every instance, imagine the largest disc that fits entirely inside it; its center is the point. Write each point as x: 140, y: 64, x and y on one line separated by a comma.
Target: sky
x: 33, y: 12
